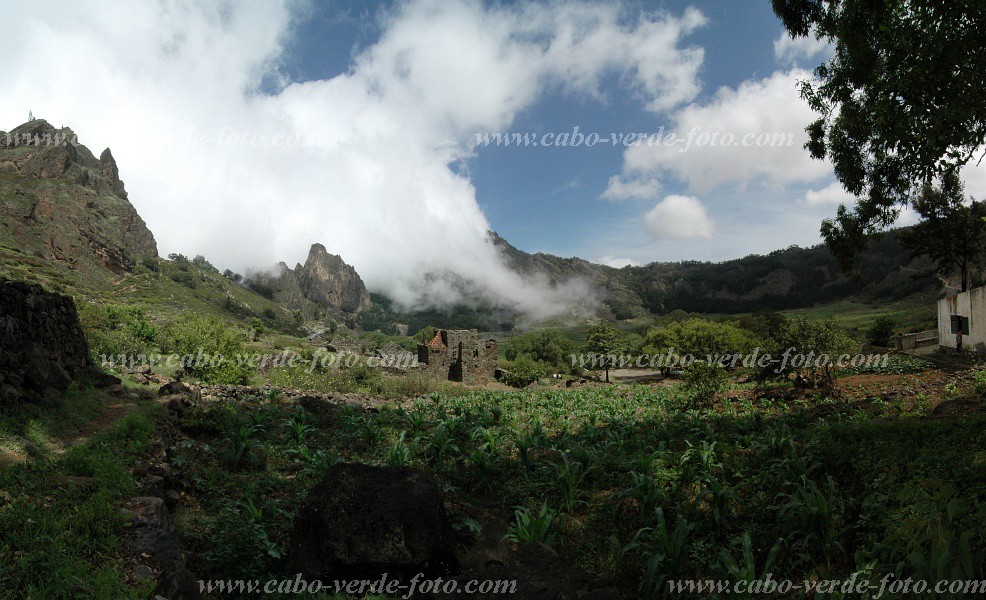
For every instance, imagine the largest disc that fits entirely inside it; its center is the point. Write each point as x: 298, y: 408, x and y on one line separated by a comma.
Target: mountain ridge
x: 59, y: 204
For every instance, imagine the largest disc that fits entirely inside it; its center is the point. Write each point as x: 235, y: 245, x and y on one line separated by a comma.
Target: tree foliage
x: 699, y: 338
x: 952, y: 232
x: 899, y: 102
x: 605, y: 339
x: 207, y: 348
x: 810, y: 351
x: 547, y: 346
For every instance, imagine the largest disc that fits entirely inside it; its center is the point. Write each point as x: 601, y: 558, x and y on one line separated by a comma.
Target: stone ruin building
x: 458, y: 355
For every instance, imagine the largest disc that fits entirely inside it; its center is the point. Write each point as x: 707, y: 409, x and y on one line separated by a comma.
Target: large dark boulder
x: 362, y: 521
x: 42, y: 346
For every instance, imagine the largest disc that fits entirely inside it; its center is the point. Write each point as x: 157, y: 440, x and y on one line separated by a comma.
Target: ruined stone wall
x: 459, y: 355
x: 42, y: 346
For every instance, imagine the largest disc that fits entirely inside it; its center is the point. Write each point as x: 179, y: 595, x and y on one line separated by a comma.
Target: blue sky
x: 247, y: 131
x: 547, y: 199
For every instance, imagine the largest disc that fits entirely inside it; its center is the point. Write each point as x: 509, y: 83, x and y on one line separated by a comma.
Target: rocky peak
x: 64, y: 205
x: 111, y: 172
x: 326, y: 279
x: 38, y: 149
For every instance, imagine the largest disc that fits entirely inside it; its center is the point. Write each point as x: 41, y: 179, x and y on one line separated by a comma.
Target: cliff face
x: 327, y: 280
x: 61, y: 205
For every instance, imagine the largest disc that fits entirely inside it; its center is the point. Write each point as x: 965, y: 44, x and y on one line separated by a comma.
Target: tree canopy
x: 899, y: 102
x: 952, y: 232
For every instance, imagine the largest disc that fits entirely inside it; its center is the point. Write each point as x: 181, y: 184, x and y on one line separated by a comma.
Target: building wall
x: 971, y: 304
x: 460, y: 356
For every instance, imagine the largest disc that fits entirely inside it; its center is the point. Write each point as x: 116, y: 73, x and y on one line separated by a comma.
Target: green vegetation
x: 60, y: 522
x: 952, y: 232
x: 699, y: 338
x: 112, y: 330
x: 522, y: 372
x: 633, y: 482
x: 896, y: 102
x: 210, y: 350
x: 881, y: 332
x: 547, y: 347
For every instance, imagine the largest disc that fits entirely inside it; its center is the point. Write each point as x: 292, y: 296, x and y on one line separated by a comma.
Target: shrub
x: 113, y: 330
x: 184, y: 278
x: 881, y: 331
x: 522, y: 373
x: 208, y: 348
x: 149, y: 263
x: 261, y: 287
x: 979, y: 381
x: 824, y: 343
x: 703, y: 380
x: 547, y: 347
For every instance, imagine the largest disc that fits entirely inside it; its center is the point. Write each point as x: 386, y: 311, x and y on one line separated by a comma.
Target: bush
x: 979, y: 381
x: 149, y: 263
x: 261, y: 287
x: 184, y: 278
x: 208, y: 349
x: 881, y: 332
x: 113, y: 330
x: 703, y: 380
x: 522, y: 373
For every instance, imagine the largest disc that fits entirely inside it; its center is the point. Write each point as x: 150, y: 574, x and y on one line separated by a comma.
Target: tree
x: 548, y: 347
x: 699, y: 338
x: 809, y: 350
x: 899, y: 103
x: 605, y: 340
x: 951, y: 233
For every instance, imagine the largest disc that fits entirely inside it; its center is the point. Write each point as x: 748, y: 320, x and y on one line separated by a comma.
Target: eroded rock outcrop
x: 62, y: 205
x: 326, y: 279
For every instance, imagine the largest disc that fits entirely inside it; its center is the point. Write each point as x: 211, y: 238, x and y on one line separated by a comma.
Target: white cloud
x: 831, y: 195
x: 172, y: 88
x: 623, y: 188
x: 753, y: 132
x: 615, y: 261
x: 679, y: 218
x: 788, y: 50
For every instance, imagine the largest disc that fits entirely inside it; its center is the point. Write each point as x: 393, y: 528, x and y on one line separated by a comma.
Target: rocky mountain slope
x: 65, y: 209
x: 65, y: 220
x: 784, y: 279
x: 324, y: 285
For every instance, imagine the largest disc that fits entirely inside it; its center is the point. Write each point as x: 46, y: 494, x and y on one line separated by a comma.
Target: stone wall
x: 458, y: 355
x: 42, y: 346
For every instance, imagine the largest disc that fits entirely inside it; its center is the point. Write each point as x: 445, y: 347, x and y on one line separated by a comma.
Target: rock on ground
x: 362, y: 521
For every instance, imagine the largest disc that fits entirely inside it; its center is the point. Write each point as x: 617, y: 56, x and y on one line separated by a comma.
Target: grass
x: 58, y: 540
x: 914, y: 313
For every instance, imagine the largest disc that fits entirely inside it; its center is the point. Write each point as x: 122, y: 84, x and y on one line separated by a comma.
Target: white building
x: 962, y: 320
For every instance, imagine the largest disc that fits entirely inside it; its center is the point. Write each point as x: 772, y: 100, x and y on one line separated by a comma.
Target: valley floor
x: 624, y: 482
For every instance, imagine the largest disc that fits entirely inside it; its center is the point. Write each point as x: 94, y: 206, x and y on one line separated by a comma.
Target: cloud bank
x: 220, y: 165
x: 679, y: 218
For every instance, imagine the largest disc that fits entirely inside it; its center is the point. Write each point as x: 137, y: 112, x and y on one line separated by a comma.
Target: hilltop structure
x: 458, y: 355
